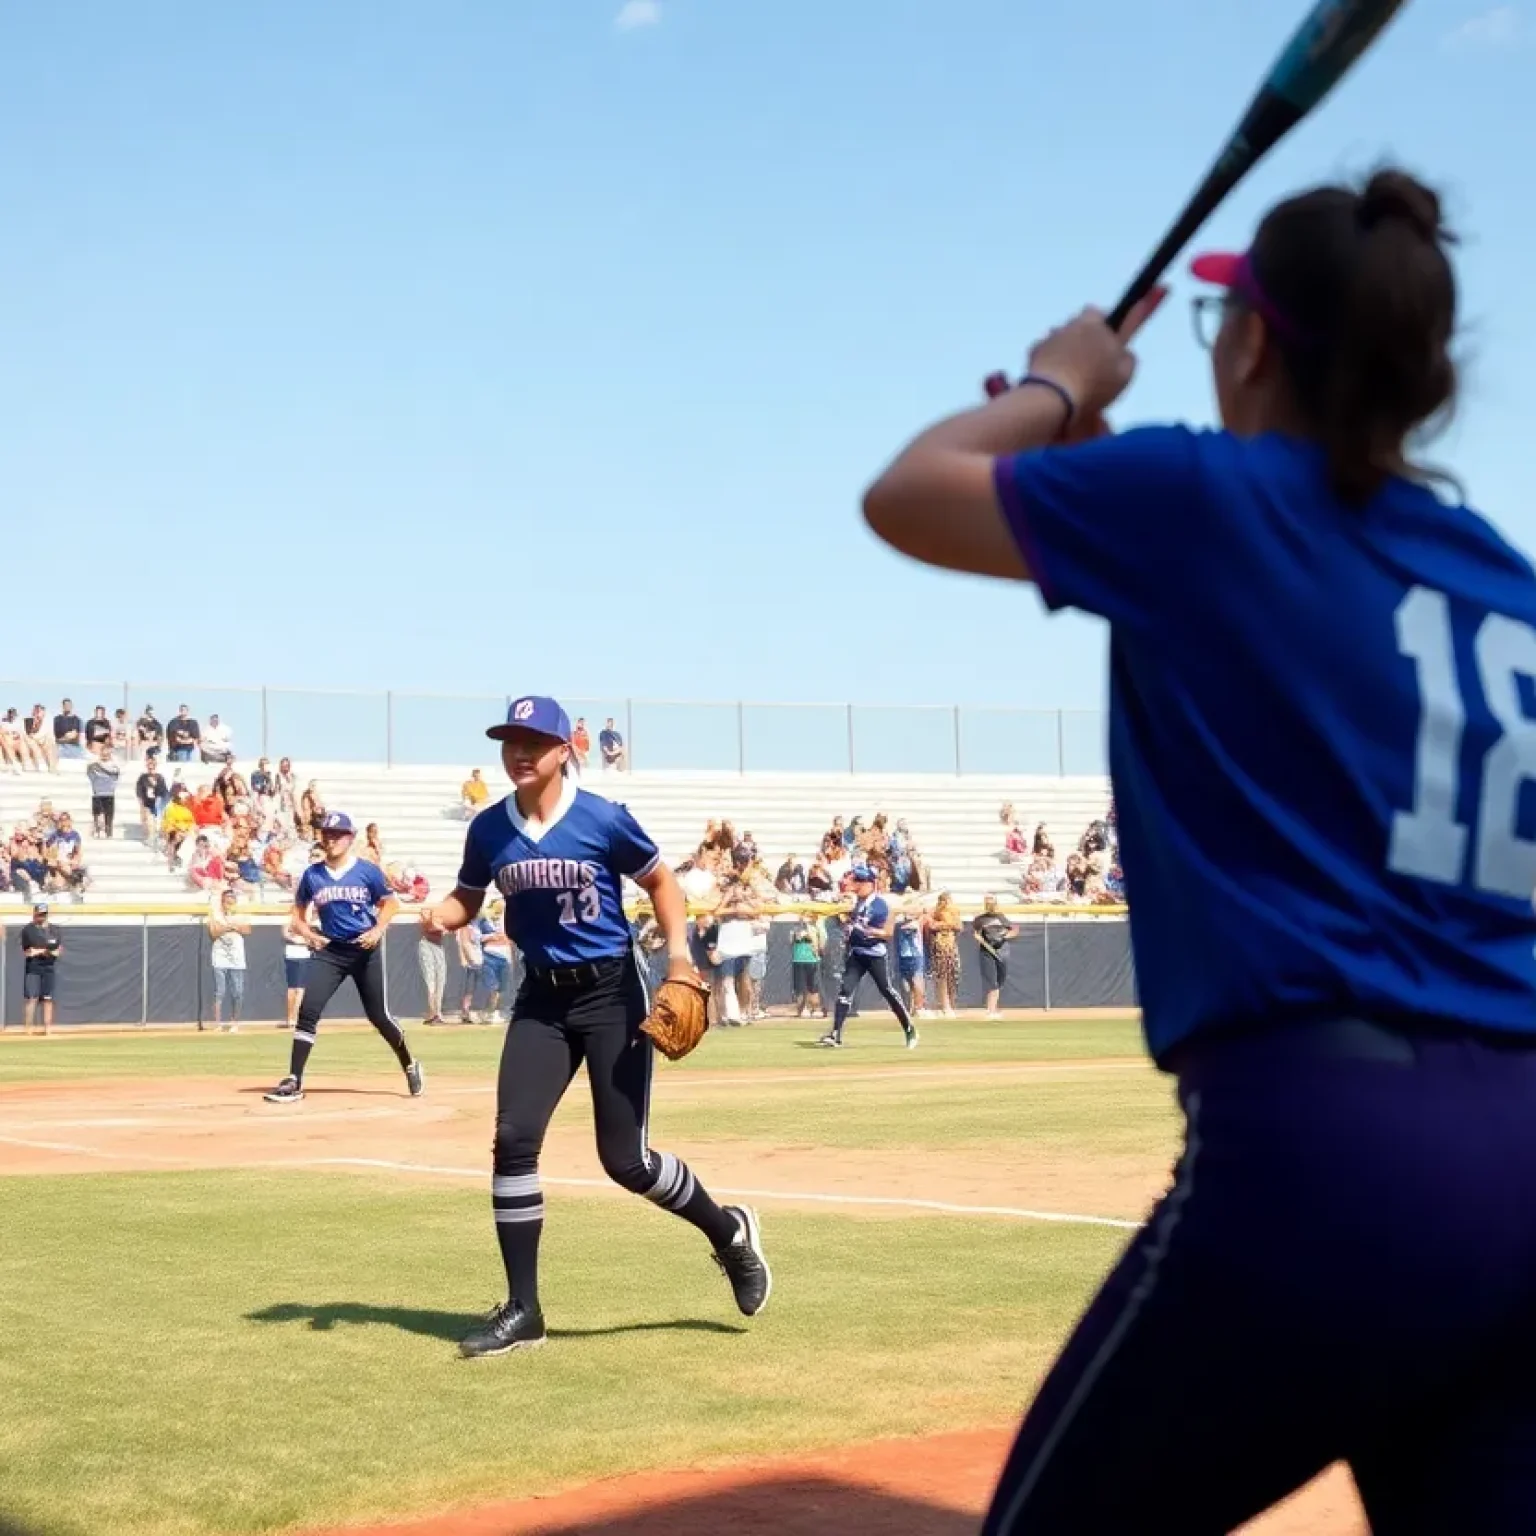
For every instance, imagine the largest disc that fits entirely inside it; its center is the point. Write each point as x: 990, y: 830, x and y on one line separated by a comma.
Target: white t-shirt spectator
x: 698, y: 884
x: 216, y: 741
x: 228, y: 950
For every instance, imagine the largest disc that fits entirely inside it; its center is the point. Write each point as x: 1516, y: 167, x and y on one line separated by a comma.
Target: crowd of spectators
x: 1089, y: 875
x: 44, y: 857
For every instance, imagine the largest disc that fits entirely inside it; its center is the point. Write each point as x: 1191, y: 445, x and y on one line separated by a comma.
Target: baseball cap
x: 862, y: 872
x: 533, y: 713
x: 336, y: 821
x: 39, y: 906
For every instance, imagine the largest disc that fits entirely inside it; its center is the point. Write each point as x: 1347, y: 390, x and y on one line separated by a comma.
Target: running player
x: 869, y: 926
x: 559, y: 856
x: 353, y: 905
x: 1323, y: 745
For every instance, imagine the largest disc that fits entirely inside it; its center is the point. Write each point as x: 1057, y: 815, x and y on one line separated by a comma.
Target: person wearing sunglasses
x: 1322, y: 737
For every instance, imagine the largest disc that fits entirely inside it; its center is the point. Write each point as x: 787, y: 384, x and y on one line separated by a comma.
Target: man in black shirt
x: 153, y: 795
x: 149, y: 731
x: 66, y: 731
x: 182, y: 736
x: 993, y: 931
x: 98, y: 728
x: 41, y: 945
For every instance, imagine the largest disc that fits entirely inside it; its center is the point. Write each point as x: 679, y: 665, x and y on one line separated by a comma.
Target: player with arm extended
x: 559, y: 856
x: 1322, y: 746
x: 353, y: 905
x: 868, y: 927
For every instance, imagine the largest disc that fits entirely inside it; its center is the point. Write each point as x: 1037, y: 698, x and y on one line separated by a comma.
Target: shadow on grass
x: 356, y: 1093
x: 452, y: 1326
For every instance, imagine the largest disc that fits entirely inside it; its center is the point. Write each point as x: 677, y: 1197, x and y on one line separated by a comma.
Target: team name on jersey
x: 545, y: 875
x: 354, y: 893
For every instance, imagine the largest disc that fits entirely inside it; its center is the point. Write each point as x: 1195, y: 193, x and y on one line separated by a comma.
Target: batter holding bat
x: 1323, y: 747
x: 559, y: 856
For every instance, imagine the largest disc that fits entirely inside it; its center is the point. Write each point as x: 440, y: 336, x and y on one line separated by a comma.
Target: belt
x: 561, y: 977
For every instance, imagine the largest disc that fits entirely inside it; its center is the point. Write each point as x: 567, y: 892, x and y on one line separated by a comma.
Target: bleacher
x: 952, y: 817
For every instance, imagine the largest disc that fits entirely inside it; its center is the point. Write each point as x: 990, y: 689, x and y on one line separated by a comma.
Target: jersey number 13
x: 1428, y: 842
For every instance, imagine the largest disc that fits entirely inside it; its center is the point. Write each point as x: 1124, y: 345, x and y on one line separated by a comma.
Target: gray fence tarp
x: 156, y: 970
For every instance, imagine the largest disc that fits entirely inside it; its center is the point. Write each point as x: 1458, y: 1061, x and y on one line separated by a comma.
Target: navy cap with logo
x: 336, y: 821
x: 40, y: 907
x: 533, y: 713
x: 863, y: 874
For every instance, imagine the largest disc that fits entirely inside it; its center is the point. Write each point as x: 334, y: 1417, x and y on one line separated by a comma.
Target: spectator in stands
x: 29, y: 871
x: 993, y: 934
x: 206, y: 871
x: 97, y: 729
x: 149, y: 730
x: 790, y: 880
x: 120, y: 732
x: 274, y: 865
x: 805, y: 947
x: 216, y: 743
x: 227, y: 932
x: 819, y: 884
x: 1015, y: 843
x: 43, y: 746
x: 611, y: 744
x: 910, y: 958
x: 42, y: 948
x: 373, y: 845
x: 12, y: 755
x: 182, y: 736
x: 699, y: 876
x: 942, y: 930
x: 176, y: 826
x: 67, y: 731
x: 102, y: 773
x: 240, y: 863
x: 230, y: 786
x: 263, y: 780
x: 1043, y: 880
x: 473, y: 793
x: 207, y: 808
x: 153, y: 795
x: 472, y: 960
x: 311, y: 811
x: 834, y: 837
x: 581, y: 743
x: 67, y: 871
x: 287, y: 786
x: 1043, y: 847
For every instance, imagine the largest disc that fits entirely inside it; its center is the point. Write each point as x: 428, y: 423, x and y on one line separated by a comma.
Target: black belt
x: 560, y: 977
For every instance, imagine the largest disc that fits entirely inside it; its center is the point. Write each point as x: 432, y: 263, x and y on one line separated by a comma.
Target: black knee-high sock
x: 298, y: 1057
x: 518, y: 1204
x: 676, y: 1189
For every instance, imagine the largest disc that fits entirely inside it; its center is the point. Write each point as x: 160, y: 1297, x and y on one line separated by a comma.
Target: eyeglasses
x: 1208, y: 310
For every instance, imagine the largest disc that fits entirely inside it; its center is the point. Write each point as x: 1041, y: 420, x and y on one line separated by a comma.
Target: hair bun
x: 1397, y: 196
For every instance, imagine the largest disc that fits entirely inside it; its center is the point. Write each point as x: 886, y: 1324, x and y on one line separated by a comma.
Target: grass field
x: 211, y: 1326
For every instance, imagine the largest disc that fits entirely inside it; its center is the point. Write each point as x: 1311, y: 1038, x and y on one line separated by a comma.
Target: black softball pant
x: 856, y: 966
x: 323, y: 976
x: 554, y: 1030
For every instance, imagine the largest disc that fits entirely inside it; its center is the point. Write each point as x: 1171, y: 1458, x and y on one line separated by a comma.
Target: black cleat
x: 415, y: 1079
x: 289, y: 1091
x: 744, y: 1264
x: 510, y: 1326
x: 832, y: 1040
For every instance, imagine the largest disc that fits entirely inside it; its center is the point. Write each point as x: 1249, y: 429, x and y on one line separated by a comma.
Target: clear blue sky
x: 534, y: 329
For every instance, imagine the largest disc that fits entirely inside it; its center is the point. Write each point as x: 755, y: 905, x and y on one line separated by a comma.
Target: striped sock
x: 676, y: 1190
x: 517, y: 1202
x: 303, y: 1044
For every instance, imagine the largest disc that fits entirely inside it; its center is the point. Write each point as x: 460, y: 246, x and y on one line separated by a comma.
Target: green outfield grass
x: 472, y: 1051
x: 201, y: 1355
x: 211, y: 1354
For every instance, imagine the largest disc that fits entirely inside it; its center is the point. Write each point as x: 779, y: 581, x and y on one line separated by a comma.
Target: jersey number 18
x: 1428, y: 842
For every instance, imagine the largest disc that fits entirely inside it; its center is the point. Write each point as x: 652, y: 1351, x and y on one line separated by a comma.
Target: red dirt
x: 932, y: 1487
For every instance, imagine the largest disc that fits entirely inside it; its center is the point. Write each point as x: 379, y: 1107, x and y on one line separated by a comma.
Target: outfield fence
x: 153, y: 968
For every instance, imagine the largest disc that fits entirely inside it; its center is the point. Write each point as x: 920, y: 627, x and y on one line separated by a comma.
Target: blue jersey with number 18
x: 562, y: 879
x: 1322, y: 730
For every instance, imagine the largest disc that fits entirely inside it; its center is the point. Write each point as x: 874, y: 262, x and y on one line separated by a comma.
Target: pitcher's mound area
x: 933, y: 1487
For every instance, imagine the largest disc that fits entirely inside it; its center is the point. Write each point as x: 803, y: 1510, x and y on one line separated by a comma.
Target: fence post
x: 741, y: 736
x: 850, y: 739
x: 629, y: 733
x: 129, y: 709
x: 1061, y: 744
x: 389, y: 728
x: 143, y: 969
x: 958, y: 769
x: 1045, y: 951
x: 266, y: 751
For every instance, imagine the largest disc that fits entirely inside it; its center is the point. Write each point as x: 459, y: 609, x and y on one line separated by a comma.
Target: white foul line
x: 943, y: 1207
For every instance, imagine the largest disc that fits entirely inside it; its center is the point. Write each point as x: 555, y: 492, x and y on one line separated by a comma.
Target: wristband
x: 1059, y: 390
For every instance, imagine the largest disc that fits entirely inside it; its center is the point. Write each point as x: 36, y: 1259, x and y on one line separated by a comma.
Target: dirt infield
x: 932, y: 1487
x: 368, y: 1124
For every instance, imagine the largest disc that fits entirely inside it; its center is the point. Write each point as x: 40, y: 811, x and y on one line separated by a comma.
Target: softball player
x: 1323, y: 746
x: 559, y: 856
x: 869, y: 927
x: 353, y: 905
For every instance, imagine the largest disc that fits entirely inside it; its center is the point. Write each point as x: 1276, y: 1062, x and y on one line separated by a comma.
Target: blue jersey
x: 869, y: 912
x: 1322, y: 729
x: 346, y: 900
x: 562, y: 879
